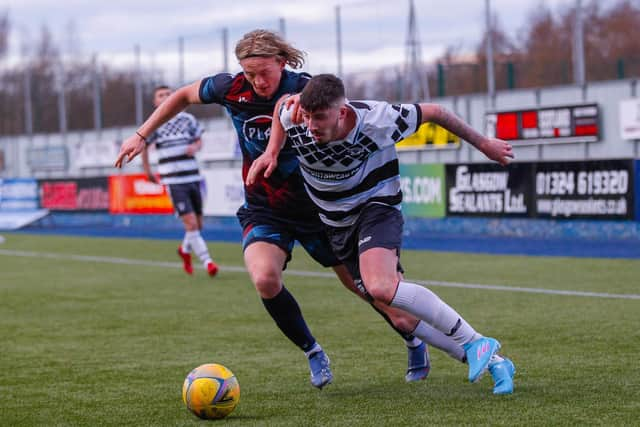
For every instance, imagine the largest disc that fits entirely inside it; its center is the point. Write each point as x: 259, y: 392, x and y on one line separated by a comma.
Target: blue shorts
x: 311, y: 234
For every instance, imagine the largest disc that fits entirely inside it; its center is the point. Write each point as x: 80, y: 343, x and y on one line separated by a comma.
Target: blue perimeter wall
x: 575, y: 238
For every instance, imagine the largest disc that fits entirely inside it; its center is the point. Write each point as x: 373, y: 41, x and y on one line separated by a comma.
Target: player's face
x: 323, y: 124
x: 160, y: 96
x: 263, y: 74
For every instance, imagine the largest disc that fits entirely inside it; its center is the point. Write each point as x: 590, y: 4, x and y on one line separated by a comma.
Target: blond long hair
x: 265, y: 43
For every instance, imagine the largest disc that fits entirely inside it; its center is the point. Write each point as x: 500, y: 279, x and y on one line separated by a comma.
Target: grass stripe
x: 301, y: 273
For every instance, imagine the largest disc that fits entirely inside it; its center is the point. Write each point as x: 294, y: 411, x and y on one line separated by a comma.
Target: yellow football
x: 211, y: 391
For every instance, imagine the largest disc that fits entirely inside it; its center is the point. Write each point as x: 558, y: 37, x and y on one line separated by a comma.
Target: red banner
x: 136, y: 194
x: 79, y: 194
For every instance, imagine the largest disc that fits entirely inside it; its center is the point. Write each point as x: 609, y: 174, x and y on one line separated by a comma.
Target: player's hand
x: 192, y: 149
x: 266, y: 162
x: 130, y: 148
x: 293, y: 103
x: 151, y: 177
x: 498, y: 150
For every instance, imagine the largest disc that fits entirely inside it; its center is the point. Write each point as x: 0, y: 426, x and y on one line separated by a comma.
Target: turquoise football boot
x: 479, y: 353
x: 502, y: 373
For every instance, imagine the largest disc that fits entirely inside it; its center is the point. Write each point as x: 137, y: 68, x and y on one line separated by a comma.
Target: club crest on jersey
x: 356, y: 151
x: 257, y: 128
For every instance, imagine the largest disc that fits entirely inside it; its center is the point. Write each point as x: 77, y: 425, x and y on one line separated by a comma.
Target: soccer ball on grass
x: 211, y: 391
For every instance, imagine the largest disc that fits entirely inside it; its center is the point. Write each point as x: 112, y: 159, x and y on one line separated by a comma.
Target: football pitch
x: 102, y: 332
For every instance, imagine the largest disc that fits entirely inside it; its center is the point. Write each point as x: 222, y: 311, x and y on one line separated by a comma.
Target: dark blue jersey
x: 283, y: 193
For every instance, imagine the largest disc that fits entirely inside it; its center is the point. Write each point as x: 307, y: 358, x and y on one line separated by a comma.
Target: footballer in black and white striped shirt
x: 176, y: 143
x: 350, y: 167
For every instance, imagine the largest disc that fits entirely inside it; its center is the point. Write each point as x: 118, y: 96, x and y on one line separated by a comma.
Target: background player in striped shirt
x: 177, y: 142
x: 277, y: 210
x: 350, y: 166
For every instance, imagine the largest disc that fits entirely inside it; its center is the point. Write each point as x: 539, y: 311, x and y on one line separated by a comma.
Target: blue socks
x: 285, y: 311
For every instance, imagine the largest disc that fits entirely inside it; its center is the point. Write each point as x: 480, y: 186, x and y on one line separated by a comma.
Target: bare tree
x: 541, y: 54
x: 610, y: 48
x: 504, y: 51
x: 545, y: 53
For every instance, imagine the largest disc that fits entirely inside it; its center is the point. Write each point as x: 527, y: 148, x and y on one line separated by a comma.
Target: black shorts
x: 187, y: 197
x: 379, y: 226
x: 260, y: 226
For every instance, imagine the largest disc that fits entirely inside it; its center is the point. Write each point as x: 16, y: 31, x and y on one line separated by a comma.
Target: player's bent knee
x: 190, y: 222
x: 267, y: 284
x: 381, y: 290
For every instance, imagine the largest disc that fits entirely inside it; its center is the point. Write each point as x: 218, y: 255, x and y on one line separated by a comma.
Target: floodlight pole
x: 491, y: 78
x: 225, y: 50
x: 138, y: 86
x: 28, y: 106
x: 180, y: 61
x: 97, y: 95
x: 62, y: 105
x: 339, y: 40
x: 418, y: 83
x: 578, y: 47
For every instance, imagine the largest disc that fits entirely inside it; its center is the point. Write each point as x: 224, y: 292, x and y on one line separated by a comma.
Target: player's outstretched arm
x: 176, y: 102
x: 268, y: 161
x: 146, y: 166
x: 495, y: 149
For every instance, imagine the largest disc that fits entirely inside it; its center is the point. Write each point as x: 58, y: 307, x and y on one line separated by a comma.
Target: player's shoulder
x: 370, y: 111
x: 221, y: 78
x: 215, y: 87
x: 183, y: 115
x: 295, y: 81
x: 366, y: 105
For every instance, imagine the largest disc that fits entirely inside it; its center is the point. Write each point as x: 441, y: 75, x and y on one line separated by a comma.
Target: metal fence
x: 91, y: 153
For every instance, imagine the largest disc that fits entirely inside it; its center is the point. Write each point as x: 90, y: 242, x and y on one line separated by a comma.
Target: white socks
x: 437, y: 339
x: 185, y: 246
x: 196, y: 243
x: 414, y: 342
x: 426, y: 305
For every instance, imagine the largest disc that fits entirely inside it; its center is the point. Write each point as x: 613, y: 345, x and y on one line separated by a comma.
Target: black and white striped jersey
x: 343, y: 176
x: 171, y: 140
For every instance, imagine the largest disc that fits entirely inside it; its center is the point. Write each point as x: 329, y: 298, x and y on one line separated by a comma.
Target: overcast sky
x: 374, y: 31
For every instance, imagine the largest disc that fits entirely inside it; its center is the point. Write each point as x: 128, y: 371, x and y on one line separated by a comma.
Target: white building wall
x: 91, y: 153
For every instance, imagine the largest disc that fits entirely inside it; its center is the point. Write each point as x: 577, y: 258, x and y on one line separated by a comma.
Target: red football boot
x: 212, y: 268
x: 186, y: 261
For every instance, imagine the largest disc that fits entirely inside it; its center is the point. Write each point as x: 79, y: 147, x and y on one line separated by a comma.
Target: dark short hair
x: 160, y: 87
x: 322, y: 92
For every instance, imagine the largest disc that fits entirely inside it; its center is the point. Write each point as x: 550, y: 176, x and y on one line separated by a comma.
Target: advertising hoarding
x: 78, y: 194
x: 136, y: 194
x: 423, y: 190
x: 430, y: 135
x: 592, y: 189
x: 18, y: 194
x: 488, y: 189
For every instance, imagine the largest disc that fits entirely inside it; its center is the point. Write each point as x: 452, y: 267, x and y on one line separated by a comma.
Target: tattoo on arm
x: 453, y: 123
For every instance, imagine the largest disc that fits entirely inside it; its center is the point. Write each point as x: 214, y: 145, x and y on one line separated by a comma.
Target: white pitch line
x: 239, y: 269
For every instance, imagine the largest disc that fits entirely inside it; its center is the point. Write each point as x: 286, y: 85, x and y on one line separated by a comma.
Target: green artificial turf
x: 94, y: 341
